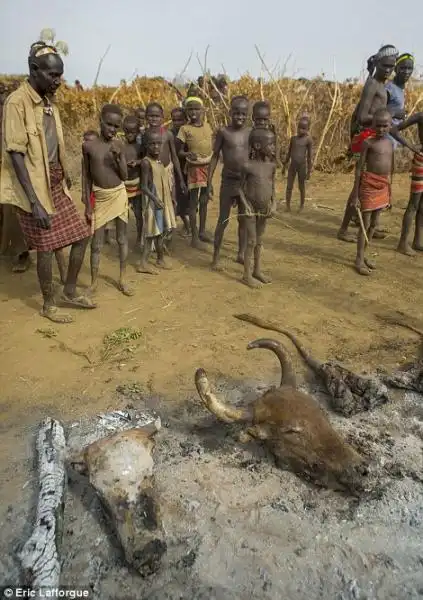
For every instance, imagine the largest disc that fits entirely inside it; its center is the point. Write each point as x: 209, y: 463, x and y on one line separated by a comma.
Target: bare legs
x: 45, y: 278
x: 96, y: 247
x: 370, y: 220
x: 144, y: 267
x: 414, y: 211
x: 293, y: 171
x: 198, y: 200
x: 137, y: 210
x: 226, y: 203
x: 255, y: 227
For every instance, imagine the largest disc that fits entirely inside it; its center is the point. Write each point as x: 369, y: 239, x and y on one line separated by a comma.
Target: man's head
x: 382, y: 122
x: 131, y: 128
x: 154, y: 114
x: 263, y: 143
x: 110, y: 120
x: 384, y: 62
x: 45, y: 68
x: 153, y: 142
x: 404, y: 68
x: 178, y: 117
x: 303, y: 126
x: 194, y: 109
x: 261, y: 114
x: 239, y: 111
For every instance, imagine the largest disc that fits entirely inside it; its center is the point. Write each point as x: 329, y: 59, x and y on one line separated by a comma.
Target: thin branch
x: 100, y: 64
x: 284, y: 100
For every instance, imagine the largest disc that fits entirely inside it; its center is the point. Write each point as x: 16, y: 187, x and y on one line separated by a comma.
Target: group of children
x: 162, y: 173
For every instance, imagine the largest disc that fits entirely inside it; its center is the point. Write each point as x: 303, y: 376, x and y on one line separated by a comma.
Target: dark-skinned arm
x: 415, y: 119
x: 87, y: 183
x: 360, y: 166
x: 242, y: 196
x: 145, y: 180
x: 274, y: 204
x: 217, y: 147
x: 15, y: 138
x: 288, y: 157
x: 176, y: 163
x: 364, y: 118
x: 309, y: 157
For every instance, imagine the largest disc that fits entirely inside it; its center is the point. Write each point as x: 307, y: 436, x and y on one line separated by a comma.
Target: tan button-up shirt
x: 23, y: 132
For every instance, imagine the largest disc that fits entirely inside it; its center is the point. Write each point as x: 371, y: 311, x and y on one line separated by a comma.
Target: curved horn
x: 223, y: 412
x: 288, y: 375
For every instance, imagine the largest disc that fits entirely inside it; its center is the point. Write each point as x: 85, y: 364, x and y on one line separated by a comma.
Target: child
x: 258, y: 197
x: 140, y: 115
x: 197, y: 136
x: 182, y: 198
x: 415, y: 204
x: 232, y: 141
x: 168, y: 156
x: 300, y: 154
x: 372, y: 189
x: 261, y: 114
x: 105, y: 171
x: 133, y: 155
x: 159, y: 215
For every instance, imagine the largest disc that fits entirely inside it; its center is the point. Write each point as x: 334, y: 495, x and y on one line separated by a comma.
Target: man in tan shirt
x: 33, y: 178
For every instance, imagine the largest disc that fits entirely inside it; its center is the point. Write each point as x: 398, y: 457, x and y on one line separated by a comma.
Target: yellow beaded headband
x: 404, y: 57
x: 194, y: 99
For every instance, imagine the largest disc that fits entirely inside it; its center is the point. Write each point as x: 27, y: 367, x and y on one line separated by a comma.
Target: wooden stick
x: 363, y: 229
x: 40, y: 555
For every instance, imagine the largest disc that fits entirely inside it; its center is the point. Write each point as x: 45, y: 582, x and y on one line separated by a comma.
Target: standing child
x: 414, y: 209
x: 372, y: 188
x: 258, y: 197
x: 140, y: 115
x: 133, y: 155
x: 105, y: 171
x: 300, y: 154
x: 168, y: 155
x: 197, y: 136
x: 232, y: 141
x: 261, y: 114
x: 158, y: 212
x: 182, y: 198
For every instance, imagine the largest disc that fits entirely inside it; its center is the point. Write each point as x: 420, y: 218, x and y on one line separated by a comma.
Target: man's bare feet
x: 216, y: 266
x: 362, y: 269
x: 163, y: 264
x: 54, y: 314
x: 80, y: 301
x: 206, y: 238
x: 251, y: 282
x: 346, y: 237
x: 145, y: 268
x: 406, y: 249
x: 370, y: 264
x: 418, y: 248
x: 195, y: 243
x: 263, y: 278
x: 379, y: 235
x: 125, y: 289
x: 239, y: 259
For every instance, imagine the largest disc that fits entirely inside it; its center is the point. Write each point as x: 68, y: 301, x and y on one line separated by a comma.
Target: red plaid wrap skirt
x: 66, y: 225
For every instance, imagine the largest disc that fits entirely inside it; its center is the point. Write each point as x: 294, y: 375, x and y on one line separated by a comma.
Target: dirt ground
x: 185, y: 320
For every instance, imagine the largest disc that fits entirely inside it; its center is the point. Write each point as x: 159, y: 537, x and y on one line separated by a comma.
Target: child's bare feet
x: 251, y: 282
x: 163, y: 264
x: 195, y: 243
x: 216, y: 266
x: 263, y: 278
x: 206, y: 238
x: 362, y: 269
x: 370, y: 264
x: 145, y: 268
x: 406, y: 249
x: 346, y: 237
x: 125, y: 289
x: 418, y: 248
